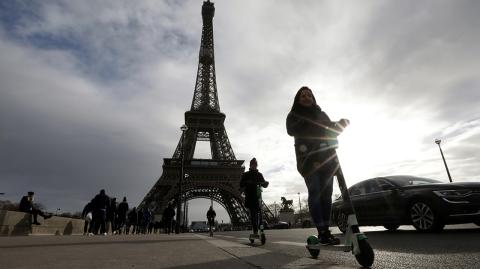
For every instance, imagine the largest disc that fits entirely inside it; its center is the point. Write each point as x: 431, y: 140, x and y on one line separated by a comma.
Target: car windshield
x: 408, y: 181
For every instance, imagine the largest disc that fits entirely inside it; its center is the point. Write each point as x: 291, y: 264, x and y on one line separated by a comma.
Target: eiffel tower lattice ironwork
x: 217, y: 178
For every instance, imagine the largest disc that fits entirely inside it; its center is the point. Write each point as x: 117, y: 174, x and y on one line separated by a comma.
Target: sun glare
x: 374, y: 143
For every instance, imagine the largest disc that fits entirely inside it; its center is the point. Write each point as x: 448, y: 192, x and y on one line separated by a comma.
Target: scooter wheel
x: 366, y: 256
x: 314, y: 253
x: 313, y: 240
x: 263, y: 239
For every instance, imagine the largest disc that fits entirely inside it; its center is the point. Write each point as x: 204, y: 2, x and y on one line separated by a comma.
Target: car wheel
x: 342, y: 222
x: 424, y: 218
x: 391, y: 227
x: 477, y: 222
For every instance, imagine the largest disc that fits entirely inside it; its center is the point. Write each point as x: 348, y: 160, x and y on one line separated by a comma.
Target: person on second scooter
x: 315, y: 142
x: 249, y: 182
x: 211, y: 214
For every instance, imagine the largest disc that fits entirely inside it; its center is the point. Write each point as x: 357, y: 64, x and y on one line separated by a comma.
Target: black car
x: 280, y: 225
x: 425, y: 203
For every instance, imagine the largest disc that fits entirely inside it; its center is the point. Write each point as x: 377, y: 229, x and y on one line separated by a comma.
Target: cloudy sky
x: 92, y: 93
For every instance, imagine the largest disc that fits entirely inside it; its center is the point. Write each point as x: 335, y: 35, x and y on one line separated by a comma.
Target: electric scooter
x: 210, y: 228
x: 261, y: 227
x: 355, y: 241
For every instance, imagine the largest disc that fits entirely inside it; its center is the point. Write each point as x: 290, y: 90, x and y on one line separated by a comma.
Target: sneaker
x: 36, y: 223
x: 326, y: 238
x: 104, y: 233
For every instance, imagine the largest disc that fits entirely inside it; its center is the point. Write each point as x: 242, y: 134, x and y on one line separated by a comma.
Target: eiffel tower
x: 217, y: 178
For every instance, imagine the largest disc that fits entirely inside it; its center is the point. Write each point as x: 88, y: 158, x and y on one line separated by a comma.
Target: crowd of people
x: 103, y: 215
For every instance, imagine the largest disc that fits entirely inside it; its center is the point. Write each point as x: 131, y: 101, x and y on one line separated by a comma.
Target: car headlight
x: 453, y: 193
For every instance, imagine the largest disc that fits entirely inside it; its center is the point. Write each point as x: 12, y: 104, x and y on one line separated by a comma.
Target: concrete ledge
x: 14, y: 223
x: 20, y: 223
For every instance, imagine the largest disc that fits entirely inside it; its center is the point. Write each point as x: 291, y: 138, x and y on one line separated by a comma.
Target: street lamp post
x: 275, y: 204
x: 300, y: 213
x: 182, y: 175
x: 438, y: 141
x: 185, y: 215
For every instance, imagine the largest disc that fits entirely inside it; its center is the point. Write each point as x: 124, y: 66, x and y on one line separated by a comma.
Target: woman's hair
x: 296, y: 102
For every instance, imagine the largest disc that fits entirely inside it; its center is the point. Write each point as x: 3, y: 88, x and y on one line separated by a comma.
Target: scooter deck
x: 260, y: 236
x: 344, y: 248
x: 314, y: 244
x: 254, y: 236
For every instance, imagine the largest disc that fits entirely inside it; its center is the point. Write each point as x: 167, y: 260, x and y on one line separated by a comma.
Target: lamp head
x: 184, y: 128
x: 438, y: 141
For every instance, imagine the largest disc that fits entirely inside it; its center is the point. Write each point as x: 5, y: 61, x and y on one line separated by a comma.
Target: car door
x: 357, y: 196
x: 376, y: 202
x: 369, y: 202
x: 394, y: 200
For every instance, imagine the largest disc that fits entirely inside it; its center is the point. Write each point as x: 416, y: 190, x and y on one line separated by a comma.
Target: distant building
x: 199, y: 226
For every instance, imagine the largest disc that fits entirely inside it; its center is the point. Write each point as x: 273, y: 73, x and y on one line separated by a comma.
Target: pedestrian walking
x: 168, y: 214
x: 100, y: 203
x: 87, y: 216
x: 122, y: 215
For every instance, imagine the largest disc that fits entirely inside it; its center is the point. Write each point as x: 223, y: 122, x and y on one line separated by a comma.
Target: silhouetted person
x: 249, y: 182
x: 168, y: 215
x: 87, y: 215
x: 139, y: 221
x: 132, y: 221
x: 122, y: 214
x: 111, y: 214
x: 147, y: 220
x: 100, y: 205
x: 315, y: 142
x: 211, y: 217
x: 26, y: 205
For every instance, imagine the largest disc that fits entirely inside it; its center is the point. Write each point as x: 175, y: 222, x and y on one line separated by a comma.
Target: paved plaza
x: 142, y: 251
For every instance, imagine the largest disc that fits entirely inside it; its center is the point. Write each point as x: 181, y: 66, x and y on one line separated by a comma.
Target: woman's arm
x: 295, y: 124
x: 300, y: 126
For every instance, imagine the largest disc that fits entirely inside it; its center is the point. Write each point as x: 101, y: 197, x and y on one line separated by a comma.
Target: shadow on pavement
x: 115, y: 242
x: 411, y: 241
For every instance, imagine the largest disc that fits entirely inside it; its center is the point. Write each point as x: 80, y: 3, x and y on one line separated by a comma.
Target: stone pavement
x: 142, y: 251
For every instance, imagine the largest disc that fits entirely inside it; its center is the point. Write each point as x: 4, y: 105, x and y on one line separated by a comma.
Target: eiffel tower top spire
x: 205, y: 98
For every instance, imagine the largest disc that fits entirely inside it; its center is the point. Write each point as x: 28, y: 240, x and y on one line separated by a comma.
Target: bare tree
x: 8, y: 205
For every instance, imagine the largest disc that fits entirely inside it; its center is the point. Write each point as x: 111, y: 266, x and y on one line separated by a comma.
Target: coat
x: 315, y: 141
x: 101, y: 202
x: 168, y: 213
x: 249, y: 181
x: 122, y: 210
x: 25, y: 205
x: 211, y: 214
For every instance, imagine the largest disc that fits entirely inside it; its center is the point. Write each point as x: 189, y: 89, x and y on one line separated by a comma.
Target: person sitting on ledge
x: 26, y: 205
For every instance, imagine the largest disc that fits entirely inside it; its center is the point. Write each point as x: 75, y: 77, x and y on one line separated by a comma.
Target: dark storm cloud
x: 113, y: 43
x: 417, y: 49
x: 62, y: 139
